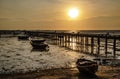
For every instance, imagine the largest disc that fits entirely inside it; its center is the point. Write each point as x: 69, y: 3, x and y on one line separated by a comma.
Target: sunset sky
x: 53, y: 15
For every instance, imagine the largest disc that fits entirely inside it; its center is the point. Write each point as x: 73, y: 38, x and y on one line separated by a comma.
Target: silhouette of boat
x: 37, y: 41
x: 39, y: 44
x: 23, y: 37
x: 87, y: 66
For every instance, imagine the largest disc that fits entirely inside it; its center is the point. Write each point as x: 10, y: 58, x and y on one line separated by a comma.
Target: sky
x: 53, y: 15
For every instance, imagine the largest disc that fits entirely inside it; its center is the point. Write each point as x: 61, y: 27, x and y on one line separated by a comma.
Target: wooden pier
x: 87, y: 43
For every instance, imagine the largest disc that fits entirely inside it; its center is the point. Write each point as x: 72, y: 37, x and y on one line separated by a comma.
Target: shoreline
x: 104, y: 72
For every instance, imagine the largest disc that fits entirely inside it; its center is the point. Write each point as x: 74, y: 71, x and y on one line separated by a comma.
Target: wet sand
x: 104, y: 72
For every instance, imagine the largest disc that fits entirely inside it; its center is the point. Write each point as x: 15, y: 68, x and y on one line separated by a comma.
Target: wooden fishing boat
x: 39, y: 44
x: 86, y: 66
x: 23, y: 37
x: 37, y: 41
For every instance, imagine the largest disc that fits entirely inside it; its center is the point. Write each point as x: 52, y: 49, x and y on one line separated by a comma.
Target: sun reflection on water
x: 73, y: 43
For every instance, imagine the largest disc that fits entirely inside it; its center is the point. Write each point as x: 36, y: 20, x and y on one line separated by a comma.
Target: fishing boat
x: 86, y: 66
x: 39, y: 44
x: 37, y: 41
x: 23, y: 37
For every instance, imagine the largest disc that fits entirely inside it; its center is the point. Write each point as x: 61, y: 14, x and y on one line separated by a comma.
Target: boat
x: 39, y: 44
x: 23, y: 37
x: 87, y: 66
x: 37, y: 41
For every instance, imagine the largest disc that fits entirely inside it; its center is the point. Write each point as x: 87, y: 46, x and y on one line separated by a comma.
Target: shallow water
x: 17, y: 56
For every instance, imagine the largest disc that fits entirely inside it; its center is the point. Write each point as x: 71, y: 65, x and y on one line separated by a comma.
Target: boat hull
x: 23, y: 37
x: 87, y: 66
x: 39, y: 46
x: 37, y: 41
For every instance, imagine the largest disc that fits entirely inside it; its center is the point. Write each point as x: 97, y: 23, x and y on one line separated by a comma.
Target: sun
x: 73, y: 12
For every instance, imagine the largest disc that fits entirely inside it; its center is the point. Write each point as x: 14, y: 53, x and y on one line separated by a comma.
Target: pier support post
x: 69, y: 41
x: 106, y: 45
x: 81, y: 44
x: 78, y: 42
x: 98, y: 45
x: 86, y: 44
x: 55, y: 39
x: 65, y: 40
x: 92, y: 45
x: 114, y: 47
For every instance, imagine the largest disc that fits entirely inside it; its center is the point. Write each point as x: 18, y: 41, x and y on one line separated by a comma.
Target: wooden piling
x: 106, y: 45
x: 82, y: 44
x: 86, y: 44
x: 98, y: 45
x: 92, y: 45
x: 114, y: 47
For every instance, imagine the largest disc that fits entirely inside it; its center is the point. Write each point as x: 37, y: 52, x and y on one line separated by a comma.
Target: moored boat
x: 23, y: 37
x: 87, y: 66
x: 37, y: 41
x: 39, y: 44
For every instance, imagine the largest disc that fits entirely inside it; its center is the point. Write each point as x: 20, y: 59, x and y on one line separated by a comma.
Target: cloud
x: 53, y: 13
x: 12, y: 19
x: 100, y: 22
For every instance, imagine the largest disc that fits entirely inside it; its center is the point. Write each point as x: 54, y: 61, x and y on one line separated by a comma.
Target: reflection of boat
x: 38, y: 49
x: 39, y: 44
x: 86, y: 66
